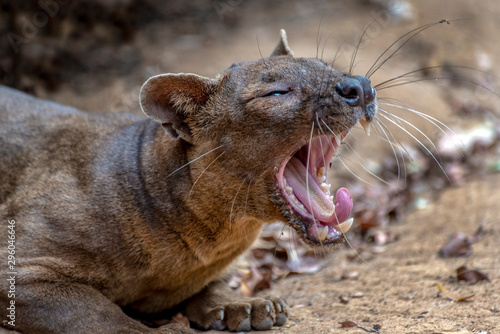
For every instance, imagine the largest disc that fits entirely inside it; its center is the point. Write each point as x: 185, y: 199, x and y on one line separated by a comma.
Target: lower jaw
x: 306, y: 227
x: 318, y: 233
x: 311, y: 229
x: 323, y: 227
x: 315, y: 235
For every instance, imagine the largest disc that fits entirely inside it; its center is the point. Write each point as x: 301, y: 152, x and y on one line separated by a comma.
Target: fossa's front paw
x: 241, y: 315
x: 257, y: 313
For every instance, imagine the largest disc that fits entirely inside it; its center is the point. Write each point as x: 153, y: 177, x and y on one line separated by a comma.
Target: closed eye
x: 277, y: 92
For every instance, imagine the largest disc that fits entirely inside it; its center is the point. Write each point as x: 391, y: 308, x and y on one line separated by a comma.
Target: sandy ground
x: 393, y: 287
x: 396, y: 288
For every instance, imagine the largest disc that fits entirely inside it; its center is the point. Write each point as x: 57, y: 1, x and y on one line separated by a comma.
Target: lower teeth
x: 345, y: 226
x: 323, y: 233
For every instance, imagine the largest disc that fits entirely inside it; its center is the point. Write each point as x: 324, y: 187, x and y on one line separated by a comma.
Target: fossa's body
x: 114, y: 212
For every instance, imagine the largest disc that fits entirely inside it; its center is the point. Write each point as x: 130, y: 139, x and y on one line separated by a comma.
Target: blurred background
x: 96, y: 54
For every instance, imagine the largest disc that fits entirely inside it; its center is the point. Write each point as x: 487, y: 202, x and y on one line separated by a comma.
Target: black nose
x: 356, y: 91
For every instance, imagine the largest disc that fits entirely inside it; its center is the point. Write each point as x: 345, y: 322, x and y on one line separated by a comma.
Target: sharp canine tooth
x: 323, y: 233
x: 320, y: 172
x: 366, y: 125
x: 345, y: 226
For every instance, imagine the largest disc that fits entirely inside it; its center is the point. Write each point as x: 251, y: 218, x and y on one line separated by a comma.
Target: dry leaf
x: 451, y: 295
x: 350, y: 275
x: 471, y: 275
x: 460, y: 245
x: 456, y: 246
x: 348, y: 324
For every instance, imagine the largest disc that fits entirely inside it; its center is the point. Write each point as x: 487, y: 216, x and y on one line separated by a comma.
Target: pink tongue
x: 315, y: 200
x: 343, y: 207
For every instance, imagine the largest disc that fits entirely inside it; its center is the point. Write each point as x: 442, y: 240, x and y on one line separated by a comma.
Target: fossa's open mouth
x: 303, y: 181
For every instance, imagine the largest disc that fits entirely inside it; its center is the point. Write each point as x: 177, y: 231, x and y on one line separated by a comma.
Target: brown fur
x: 107, y: 218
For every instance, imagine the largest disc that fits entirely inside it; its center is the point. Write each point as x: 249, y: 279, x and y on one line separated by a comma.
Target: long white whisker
x: 292, y: 251
x: 429, y: 118
x: 393, y: 118
x: 366, y: 170
x: 204, y: 170
x: 406, y: 122
x: 321, y: 132
x: 307, y: 171
x: 391, y: 144
x: 434, y: 121
x: 344, y: 235
x: 246, y: 200
x: 360, y: 161
x: 201, y: 156
x: 421, y: 144
x: 352, y: 247
x: 331, y: 131
x: 234, y: 200
x: 245, y: 211
x: 354, y: 174
x: 279, y: 239
x: 394, y: 141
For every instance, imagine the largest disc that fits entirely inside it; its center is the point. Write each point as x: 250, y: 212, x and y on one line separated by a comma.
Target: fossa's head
x: 278, y: 121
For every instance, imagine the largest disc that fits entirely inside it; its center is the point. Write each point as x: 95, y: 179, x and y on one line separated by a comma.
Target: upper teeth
x: 366, y: 126
x: 321, y: 172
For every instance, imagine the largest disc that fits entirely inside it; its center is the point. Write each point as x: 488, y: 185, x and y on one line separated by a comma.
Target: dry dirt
x: 393, y: 286
x: 396, y: 288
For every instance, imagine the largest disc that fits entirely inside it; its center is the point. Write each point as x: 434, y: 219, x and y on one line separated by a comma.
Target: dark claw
x: 244, y: 326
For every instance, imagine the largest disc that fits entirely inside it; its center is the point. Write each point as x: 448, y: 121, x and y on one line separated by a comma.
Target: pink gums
x: 306, y: 187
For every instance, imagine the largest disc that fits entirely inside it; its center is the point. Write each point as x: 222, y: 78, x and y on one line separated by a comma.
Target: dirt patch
x: 395, y: 287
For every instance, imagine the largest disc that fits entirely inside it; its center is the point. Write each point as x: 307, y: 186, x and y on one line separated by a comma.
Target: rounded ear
x: 282, y: 49
x: 170, y: 98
